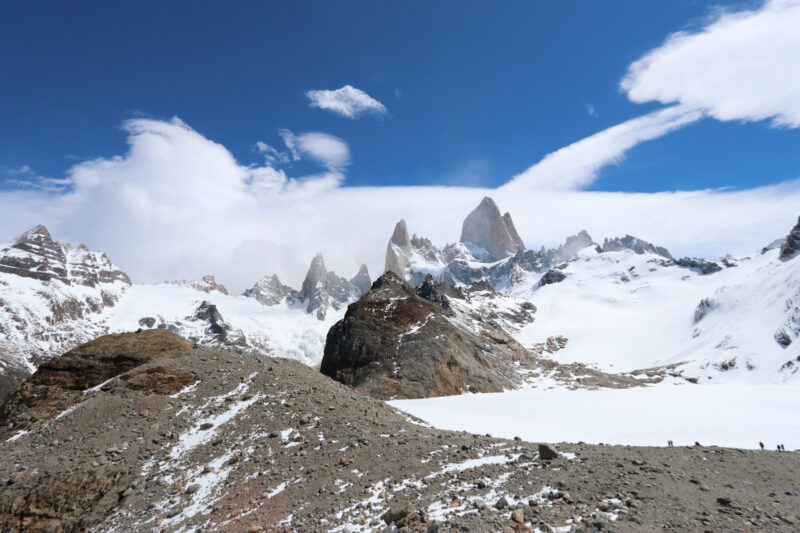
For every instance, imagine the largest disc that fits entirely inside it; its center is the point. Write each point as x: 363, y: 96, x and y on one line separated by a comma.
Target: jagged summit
x: 321, y: 289
x: 37, y: 232
x: 791, y: 245
x: 491, y: 231
x: 635, y: 244
x: 35, y: 254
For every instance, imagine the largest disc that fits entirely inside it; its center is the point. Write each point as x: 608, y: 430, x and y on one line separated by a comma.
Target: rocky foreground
x: 146, y: 432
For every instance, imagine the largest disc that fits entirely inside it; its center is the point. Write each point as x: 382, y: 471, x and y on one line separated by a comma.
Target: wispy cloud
x: 743, y: 65
x: 591, y: 110
x: 347, y: 101
x: 577, y: 165
x: 26, y: 177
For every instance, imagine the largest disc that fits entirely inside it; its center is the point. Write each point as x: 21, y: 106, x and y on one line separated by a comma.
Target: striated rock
x: 35, y: 254
x: 487, y: 229
x: 634, y: 244
x: 791, y: 245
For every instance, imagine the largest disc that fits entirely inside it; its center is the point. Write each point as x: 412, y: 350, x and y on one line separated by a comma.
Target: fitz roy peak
x: 485, y: 228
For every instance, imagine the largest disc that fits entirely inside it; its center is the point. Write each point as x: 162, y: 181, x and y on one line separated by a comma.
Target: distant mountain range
x: 620, y: 306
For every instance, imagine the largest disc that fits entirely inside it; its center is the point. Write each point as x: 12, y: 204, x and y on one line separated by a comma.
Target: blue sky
x: 241, y: 138
x: 475, y: 93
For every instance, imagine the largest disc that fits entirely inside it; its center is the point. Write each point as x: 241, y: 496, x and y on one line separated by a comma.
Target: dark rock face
x: 58, y: 383
x: 552, y: 276
x: 791, y: 245
x: 634, y: 244
x: 703, y: 266
x: 393, y: 343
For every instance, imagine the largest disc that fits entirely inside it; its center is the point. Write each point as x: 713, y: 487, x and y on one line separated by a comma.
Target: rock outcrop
x: 791, y: 245
x: 396, y: 342
x: 634, y: 244
x: 205, y: 284
x: 490, y: 231
x: 59, y: 383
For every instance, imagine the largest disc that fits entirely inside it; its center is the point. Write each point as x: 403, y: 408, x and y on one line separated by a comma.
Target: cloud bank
x: 347, y: 101
x: 179, y: 205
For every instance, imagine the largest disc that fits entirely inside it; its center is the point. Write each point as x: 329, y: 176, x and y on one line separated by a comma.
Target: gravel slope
x: 269, y: 444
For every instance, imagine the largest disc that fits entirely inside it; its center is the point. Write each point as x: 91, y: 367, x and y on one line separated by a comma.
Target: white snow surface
x: 288, y: 331
x: 622, y: 311
x: 735, y: 415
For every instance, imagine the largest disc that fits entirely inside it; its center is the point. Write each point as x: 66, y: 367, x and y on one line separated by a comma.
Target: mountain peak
x: 488, y: 229
x: 38, y: 232
x: 400, y: 236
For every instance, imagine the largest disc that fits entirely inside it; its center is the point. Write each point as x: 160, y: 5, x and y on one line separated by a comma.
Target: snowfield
x: 288, y: 331
x: 733, y: 415
x: 622, y: 311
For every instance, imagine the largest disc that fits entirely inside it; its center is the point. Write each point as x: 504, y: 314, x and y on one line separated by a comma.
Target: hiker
x: 761, y: 444
x: 696, y: 443
x: 669, y: 443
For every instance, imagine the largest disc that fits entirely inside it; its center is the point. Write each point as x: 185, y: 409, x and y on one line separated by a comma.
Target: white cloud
x: 742, y: 66
x: 576, y: 165
x: 348, y: 102
x: 591, y: 110
x: 179, y: 205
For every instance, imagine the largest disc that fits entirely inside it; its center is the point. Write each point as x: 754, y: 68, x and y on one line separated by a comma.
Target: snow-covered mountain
x: 620, y: 306
x: 627, y: 305
x: 52, y: 296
